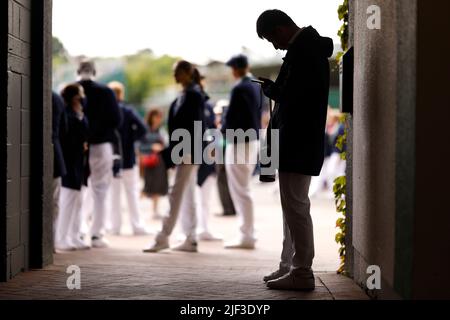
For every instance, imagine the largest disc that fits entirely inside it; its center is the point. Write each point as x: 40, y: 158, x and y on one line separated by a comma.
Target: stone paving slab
x: 124, y: 272
x: 110, y: 282
x: 168, y: 276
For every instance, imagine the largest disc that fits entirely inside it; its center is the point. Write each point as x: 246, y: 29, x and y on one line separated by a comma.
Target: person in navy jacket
x: 105, y: 118
x: 184, y: 111
x: 59, y: 167
x: 74, y: 146
x: 244, y: 110
x: 131, y: 130
x: 205, y: 177
x: 58, y: 121
x: 244, y: 113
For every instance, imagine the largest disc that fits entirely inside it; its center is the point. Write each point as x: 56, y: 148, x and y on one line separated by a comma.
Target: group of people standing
x: 88, y: 120
x: 95, y: 140
x: 244, y: 112
x: 85, y: 128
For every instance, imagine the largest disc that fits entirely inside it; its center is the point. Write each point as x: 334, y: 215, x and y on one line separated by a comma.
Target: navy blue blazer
x: 301, y: 92
x: 205, y: 170
x: 131, y: 130
x: 102, y: 112
x: 76, y: 159
x: 58, y: 122
x: 182, y: 116
x: 210, y: 116
x: 244, y: 110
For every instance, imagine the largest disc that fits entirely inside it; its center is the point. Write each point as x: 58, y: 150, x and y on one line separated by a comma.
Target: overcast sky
x: 196, y: 30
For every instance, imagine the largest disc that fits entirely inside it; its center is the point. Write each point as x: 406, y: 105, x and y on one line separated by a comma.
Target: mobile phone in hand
x: 257, y: 81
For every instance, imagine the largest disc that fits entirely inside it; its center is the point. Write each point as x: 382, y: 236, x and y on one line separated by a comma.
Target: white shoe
x: 158, y: 245
x: 142, y: 232
x: 208, y: 236
x: 99, y: 242
x: 113, y: 232
x: 186, y: 246
x: 249, y: 245
x: 180, y: 237
x: 157, y: 216
x: 80, y: 244
x: 64, y: 248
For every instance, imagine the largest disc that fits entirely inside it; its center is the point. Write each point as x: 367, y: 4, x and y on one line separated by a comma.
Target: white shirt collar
x: 86, y: 77
x: 248, y: 75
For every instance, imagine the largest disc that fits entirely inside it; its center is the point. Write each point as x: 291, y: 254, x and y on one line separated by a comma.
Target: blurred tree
x: 59, y: 53
x: 145, y: 74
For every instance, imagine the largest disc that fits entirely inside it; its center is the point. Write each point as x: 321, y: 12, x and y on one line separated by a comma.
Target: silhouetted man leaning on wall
x: 301, y: 96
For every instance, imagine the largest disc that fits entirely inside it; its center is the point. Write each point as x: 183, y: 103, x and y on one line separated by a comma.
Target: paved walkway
x: 123, y: 272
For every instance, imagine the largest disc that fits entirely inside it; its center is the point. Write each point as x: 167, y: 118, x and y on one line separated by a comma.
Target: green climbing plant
x: 343, y: 31
x: 339, y: 190
x: 340, y: 183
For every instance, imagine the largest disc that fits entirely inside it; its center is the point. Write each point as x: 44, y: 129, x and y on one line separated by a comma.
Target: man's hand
x: 268, y: 87
x: 157, y: 147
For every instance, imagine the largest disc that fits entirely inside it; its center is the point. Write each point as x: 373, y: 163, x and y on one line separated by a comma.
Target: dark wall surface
x: 18, y: 73
x: 26, y: 150
x: 431, y: 258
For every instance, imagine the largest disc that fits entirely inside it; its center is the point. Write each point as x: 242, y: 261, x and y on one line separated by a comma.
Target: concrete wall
x: 25, y: 140
x: 400, y: 216
x: 349, y: 251
x: 374, y: 134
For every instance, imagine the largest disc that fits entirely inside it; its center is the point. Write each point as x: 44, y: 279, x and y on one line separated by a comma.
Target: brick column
x: 41, y: 199
x: 25, y: 146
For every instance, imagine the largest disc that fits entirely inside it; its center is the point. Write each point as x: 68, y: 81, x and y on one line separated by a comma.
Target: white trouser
x: 202, y: 199
x: 298, y: 241
x: 68, y: 222
x: 183, y: 187
x: 130, y: 181
x: 205, y: 196
x: 240, y: 161
x: 101, y: 163
x: 335, y: 168
x: 318, y: 182
x: 87, y: 209
x: 56, y: 193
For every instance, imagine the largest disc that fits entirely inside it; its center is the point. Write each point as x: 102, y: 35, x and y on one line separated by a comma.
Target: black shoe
x: 226, y: 214
x: 276, y: 274
x: 293, y: 281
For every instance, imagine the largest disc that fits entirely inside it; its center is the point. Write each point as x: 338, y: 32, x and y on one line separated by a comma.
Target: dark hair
x: 69, y: 92
x: 269, y: 20
x: 197, y: 78
x: 153, y: 113
x: 185, y: 66
x: 87, y: 66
